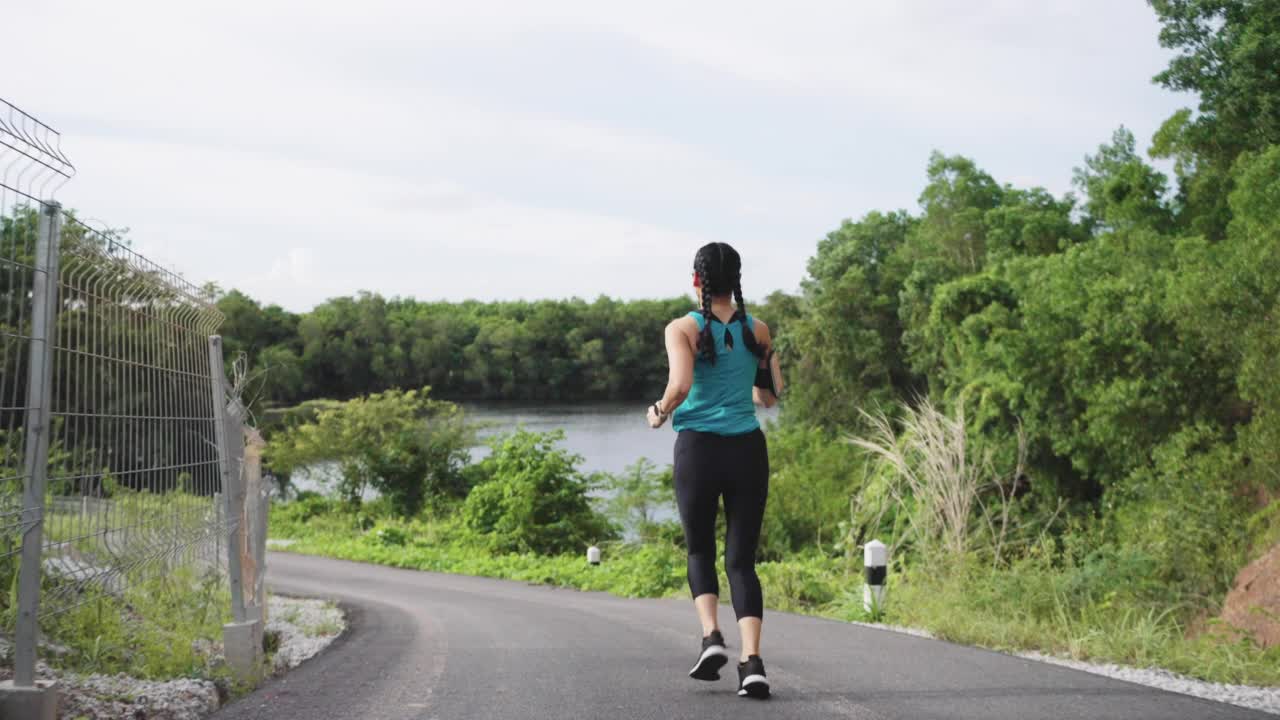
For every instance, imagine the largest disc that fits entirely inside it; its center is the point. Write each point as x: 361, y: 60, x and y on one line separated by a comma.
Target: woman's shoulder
x: 758, y: 327
x: 685, y: 323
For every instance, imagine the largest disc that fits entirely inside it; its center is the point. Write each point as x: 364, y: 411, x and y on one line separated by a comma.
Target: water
x: 608, y: 437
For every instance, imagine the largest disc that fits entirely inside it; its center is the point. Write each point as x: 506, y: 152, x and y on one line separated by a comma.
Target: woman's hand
x: 656, y: 419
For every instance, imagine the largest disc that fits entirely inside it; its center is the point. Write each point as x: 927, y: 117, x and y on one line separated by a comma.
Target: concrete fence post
x: 23, y: 696
x: 876, y: 560
x: 242, y: 638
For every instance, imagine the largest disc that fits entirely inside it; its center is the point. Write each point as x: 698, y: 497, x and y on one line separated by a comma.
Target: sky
x: 506, y: 149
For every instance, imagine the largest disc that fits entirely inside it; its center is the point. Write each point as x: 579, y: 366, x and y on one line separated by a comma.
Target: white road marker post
x: 593, y: 555
x: 875, y: 556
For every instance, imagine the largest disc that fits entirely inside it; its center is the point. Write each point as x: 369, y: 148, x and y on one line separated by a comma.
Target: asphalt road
x: 423, y: 645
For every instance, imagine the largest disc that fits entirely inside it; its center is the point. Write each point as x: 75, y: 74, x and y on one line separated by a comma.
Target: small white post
x: 875, y: 556
x: 593, y: 555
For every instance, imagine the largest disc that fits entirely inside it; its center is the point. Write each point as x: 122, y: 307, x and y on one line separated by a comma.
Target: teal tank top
x: 720, y: 400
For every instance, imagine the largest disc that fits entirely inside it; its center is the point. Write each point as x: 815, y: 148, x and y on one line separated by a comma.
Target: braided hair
x: 719, y: 269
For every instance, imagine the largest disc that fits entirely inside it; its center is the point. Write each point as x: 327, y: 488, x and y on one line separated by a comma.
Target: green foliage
x: 843, y: 350
x: 1098, y: 371
x: 814, y: 477
x: 561, y: 350
x: 635, y: 497
x: 1184, y: 513
x: 1122, y: 192
x: 532, y: 498
x: 447, y: 544
x: 391, y: 535
x: 1030, y: 222
x: 1229, y: 54
x: 150, y: 631
x: 401, y: 443
x: 1227, y: 297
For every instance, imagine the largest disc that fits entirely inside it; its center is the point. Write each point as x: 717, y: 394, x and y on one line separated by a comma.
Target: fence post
x: 241, y: 639
x: 26, y: 697
x: 228, y: 475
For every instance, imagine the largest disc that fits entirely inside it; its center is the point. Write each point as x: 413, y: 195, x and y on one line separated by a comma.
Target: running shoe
x: 713, y: 658
x: 751, y: 678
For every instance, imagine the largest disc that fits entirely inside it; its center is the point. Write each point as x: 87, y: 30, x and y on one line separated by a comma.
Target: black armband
x: 764, y: 379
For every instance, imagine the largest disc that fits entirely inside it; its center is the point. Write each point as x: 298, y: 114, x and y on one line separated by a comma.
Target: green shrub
x: 1186, y: 514
x: 391, y: 535
x: 533, y: 498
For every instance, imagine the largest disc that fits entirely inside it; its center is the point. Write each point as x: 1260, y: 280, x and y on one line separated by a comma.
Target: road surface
x: 424, y: 645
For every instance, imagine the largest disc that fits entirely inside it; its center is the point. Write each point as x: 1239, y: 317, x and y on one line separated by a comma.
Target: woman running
x: 721, y: 365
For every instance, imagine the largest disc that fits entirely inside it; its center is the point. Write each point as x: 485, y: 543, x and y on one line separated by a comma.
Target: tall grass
x: 931, y: 468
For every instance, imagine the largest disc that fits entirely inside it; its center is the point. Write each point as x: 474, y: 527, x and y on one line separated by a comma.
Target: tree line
x: 539, y: 351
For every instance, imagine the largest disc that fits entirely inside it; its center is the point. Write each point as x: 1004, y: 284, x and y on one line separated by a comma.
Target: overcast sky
x: 477, y: 148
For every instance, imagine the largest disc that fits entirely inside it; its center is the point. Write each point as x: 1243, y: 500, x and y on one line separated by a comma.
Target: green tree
x: 1031, y: 222
x: 843, y: 349
x: 1229, y: 54
x: 409, y: 448
x: 955, y: 201
x: 250, y: 328
x: 282, y: 374
x: 1121, y: 191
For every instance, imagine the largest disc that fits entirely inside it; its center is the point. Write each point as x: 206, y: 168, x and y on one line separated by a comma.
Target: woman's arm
x: 680, y: 373
x: 760, y: 395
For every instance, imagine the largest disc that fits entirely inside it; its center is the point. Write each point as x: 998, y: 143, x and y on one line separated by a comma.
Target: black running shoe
x: 713, y: 658
x: 751, y: 679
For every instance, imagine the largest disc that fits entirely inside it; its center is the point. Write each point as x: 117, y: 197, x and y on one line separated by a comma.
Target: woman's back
x: 720, y: 400
x: 720, y: 454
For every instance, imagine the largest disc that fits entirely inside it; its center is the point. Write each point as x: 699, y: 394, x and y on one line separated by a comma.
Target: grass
x: 154, y: 630
x: 1087, y: 612
x: 323, y: 629
x: 152, y: 622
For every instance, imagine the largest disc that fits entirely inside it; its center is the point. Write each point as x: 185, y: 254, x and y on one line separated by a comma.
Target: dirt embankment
x: 1253, y: 604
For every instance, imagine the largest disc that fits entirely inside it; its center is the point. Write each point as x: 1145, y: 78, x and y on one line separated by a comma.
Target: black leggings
x: 707, y: 466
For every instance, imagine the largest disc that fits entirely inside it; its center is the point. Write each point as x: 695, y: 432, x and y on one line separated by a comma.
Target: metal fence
x: 113, y: 409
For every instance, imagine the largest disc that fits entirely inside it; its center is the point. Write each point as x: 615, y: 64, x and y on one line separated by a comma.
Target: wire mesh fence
x: 117, y: 463
x: 31, y: 166
x: 133, y: 462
